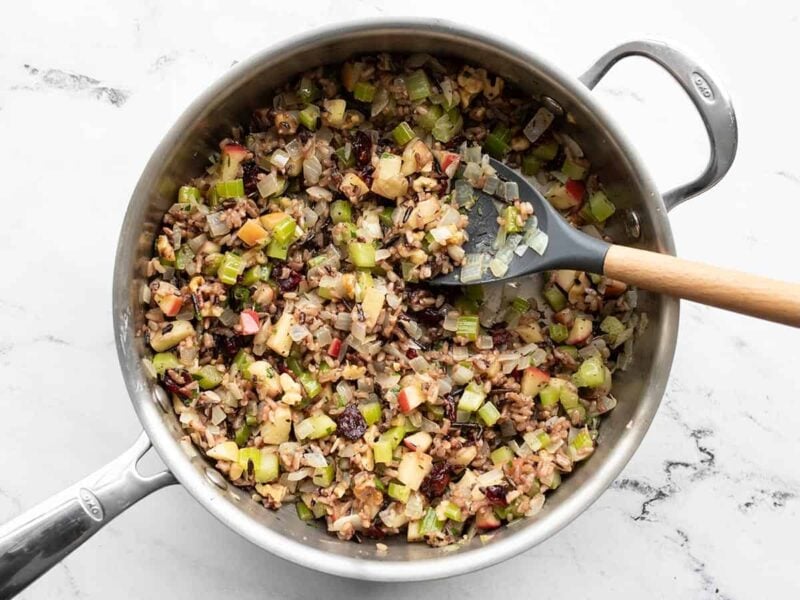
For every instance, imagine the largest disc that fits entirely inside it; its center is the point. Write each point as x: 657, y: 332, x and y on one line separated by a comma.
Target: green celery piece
x: 183, y: 257
x: 251, y: 420
x: 323, y: 476
x: 269, y: 469
x: 294, y: 364
x: 341, y: 211
x: 582, y: 440
x: 452, y: 511
x: 471, y: 399
x: 418, y: 86
x: 601, y: 207
x: 231, y: 267
x: 546, y: 151
x: 510, y: 216
x: 304, y: 512
x: 364, y: 92
x: 549, y: 396
x: 399, y: 492
x: 468, y: 326
x: 371, y: 411
x: 307, y: 91
x: 448, y: 125
x: 501, y: 456
x: 394, y: 436
x: 229, y: 189
x: 612, y: 326
x: 188, y: 194
x: 210, y: 377
x: 590, y: 374
x: 428, y: 119
x: 344, y: 235
x: 382, y: 451
x: 568, y: 398
x: 387, y: 216
x: 575, y: 168
x: 430, y: 523
x: 489, y: 414
x: 555, y: 298
x: 571, y: 351
x: 165, y: 360
x: 309, y: 117
x: 277, y: 250
x: 362, y: 254
x: 558, y: 332
x: 347, y: 159
x: 495, y: 146
x: 242, y: 435
x: 403, y: 134
x: 243, y: 360
x: 284, y: 230
x: 531, y: 165
x: 255, y: 274
x: 310, y: 384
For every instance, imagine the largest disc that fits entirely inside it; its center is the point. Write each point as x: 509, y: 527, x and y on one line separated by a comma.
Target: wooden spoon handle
x: 748, y: 294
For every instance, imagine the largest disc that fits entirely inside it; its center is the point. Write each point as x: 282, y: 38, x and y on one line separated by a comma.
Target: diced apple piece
x: 277, y: 429
x: 486, y: 519
x: 280, y: 341
x: 580, y: 332
x: 172, y: 334
x: 353, y: 186
x: 170, y: 304
x: 224, y: 451
x: 248, y: 321
x: 391, y: 188
x: 421, y: 441
x: 533, y: 380
x: 448, y: 162
x: 414, y: 467
x: 410, y: 397
x: 417, y: 157
x: 270, y: 220
x: 565, y: 278
x: 560, y: 198
x: 530, y: 333
x: 372, y: 306
x: 252, y: 233
x: 231, y: 157
x: 464, y: 456
x: 614, y: 288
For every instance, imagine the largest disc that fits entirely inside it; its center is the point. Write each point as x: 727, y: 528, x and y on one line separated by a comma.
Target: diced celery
x: 399, y: 491
x: 335, y: 110
x: 255, y: 274
x: 247, y: 456
x: 591, y: 373
x: 251, y: 420
x: 183, y: 257
x: 520, y: 305
x: 364, y: 92
x: 511, y: 219
x: 466, y: 306
x: 243, y: 360
x: 403, y: 134
x: 278, y: 250
x: 231, y: 267
x: 315, y: 427
x: 428, y: 119
x: 242, y: 435
x: 472, y: 398
x: 452, y: 511
x: 309, y: 117
x: 323, y: 476
x: 531, y: 165
x: 394, y: 436
x: 379, y: 484
x: 303, y: 512
x: 319, y: 509
x: 568, y: 398
x: 310, y: 384
x: 284, y: 230
x: 600, y: 206
x: 612, y: 326
x: 430, y: 523
x: 362, y: 254
x: 341, y: 211
x: 496, y: 143
x: 448, y: 125
x: 501, y: 456
x: 371, y: 411
x: 347, y: 159
x: 294, y: 364
x: 468, y: 326
x: 489, y: 414
x: 307, y: 91
x: 574, y: 168
x: 555, y: 298
x: 165, y: 360
x: 229, y: 189
x: 549, y: 396
x: 558, y: 332
x: 546, y: 151
x: 571, y: 351
x: 418, y: 86
x: 364, y: 282
x: 582, y: 440
x: 386, y: 217
x: 209, y: 377
x: 382, y: 451
x: 188, y: 194
x: 269, y: 468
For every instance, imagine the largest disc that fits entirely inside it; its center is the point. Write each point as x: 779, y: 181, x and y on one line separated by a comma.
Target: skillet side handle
x: 38, y: 539
x: 711, y: 101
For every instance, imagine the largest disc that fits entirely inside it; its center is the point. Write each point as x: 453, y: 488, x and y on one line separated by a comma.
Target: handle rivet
x: 161, y: 398
x: 551, y: 105
x: 632, y: 225
x: 216, y: 478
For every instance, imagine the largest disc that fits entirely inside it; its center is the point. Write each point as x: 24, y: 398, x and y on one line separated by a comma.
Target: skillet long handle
x: 35, y: 541
x: 744, y: 293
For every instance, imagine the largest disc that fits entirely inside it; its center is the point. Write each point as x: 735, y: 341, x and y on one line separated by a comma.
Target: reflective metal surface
x: 183, y: 152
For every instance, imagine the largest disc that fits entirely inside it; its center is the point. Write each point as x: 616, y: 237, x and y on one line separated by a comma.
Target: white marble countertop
x: 709, y: 506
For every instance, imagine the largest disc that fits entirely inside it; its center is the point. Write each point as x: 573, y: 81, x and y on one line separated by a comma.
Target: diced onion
x: 538, y: 124
x: 345, y: 390
x: 312, y: 169
x: 298, y: 332
x: 316, y: 192
x: 472, y: 269
x: 216, y: 225
x: 315, y: 459
x: 279, y: 158
x: 485, y: 342
x: 343, y: 321
x: 450, y: 321
x: 419, y: 364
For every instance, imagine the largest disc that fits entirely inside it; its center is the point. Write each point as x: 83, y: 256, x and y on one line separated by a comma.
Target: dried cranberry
x: 226, y: 340
x: 178, y: 382
x: 250, y: 174
x: 351, y: 423
x: 430, y: 316
x: 373, y: 532
x: 496, y: 495
x: 411, y: 353
x: 362, y: 148
x: 435, y: 484
x: 500, y: 336
x: 290, y: 283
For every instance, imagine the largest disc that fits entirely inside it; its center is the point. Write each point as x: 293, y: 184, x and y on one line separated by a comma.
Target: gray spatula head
x: 568, y: 248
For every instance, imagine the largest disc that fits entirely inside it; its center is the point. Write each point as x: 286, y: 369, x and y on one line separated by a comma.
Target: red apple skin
x: 486, y: 519
x: 580, y: 332
x: 248, y: 320
x: 409, y: 398
x: 236, y: 152
x: 449, y: 163
x: 576, y: 189
x: 335, y: 347
x: 170, y: 305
